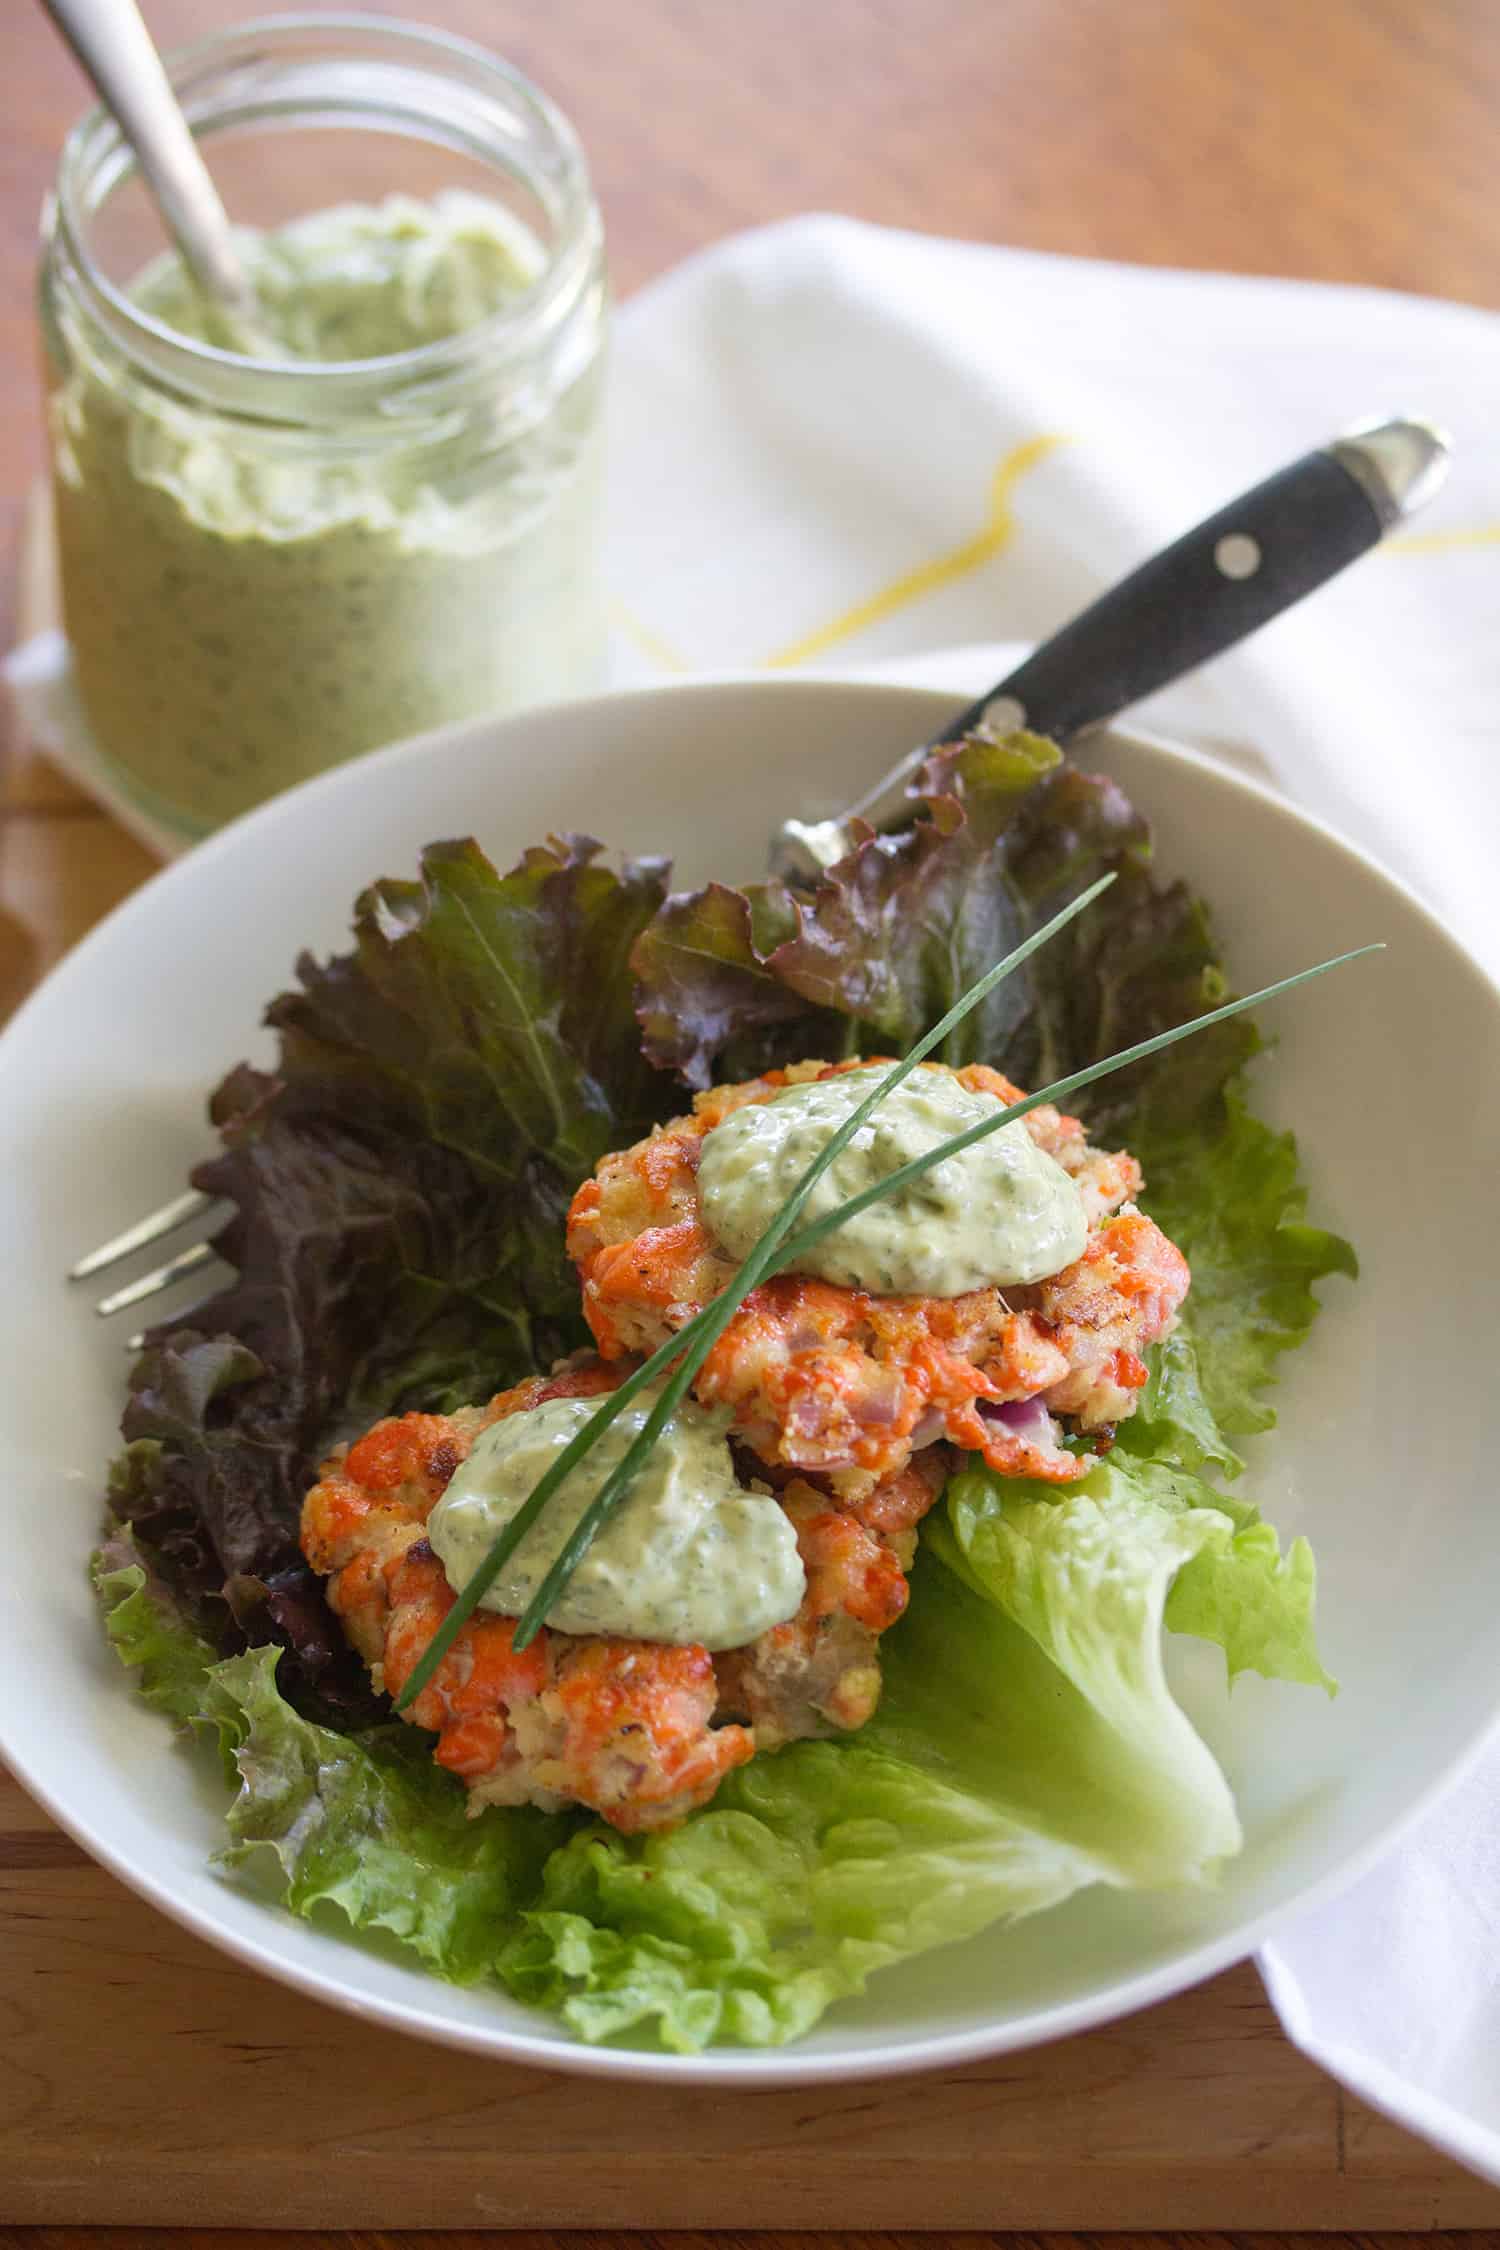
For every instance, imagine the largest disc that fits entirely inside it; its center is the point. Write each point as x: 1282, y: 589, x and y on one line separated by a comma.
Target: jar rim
x: 96, y: 151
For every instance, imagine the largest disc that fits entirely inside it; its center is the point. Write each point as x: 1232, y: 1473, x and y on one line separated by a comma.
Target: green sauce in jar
x: 253, y: 596
x: 360, y: 281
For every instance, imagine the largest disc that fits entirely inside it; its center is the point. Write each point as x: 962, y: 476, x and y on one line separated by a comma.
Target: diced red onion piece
x: 1027, y: 1419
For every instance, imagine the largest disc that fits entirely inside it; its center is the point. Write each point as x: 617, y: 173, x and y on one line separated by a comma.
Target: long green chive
x: 715, y: 1315
x: 767, y: 1259
x: 894, y: 1181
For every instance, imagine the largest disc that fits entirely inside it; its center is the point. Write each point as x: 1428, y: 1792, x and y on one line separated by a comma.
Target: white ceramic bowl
x: 1390, y: 1073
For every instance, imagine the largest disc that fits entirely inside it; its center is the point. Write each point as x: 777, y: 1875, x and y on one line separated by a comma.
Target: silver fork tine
x: 150, y: 1229
x: 160, y: 1277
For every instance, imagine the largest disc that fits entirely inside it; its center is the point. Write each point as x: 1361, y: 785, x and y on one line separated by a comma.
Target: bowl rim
x: 749, y: 2068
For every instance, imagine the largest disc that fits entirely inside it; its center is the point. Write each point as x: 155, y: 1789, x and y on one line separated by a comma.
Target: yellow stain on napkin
x: 998, y: 531
x: 651, y: 644
x: 943, y: 570
x: 1442, y: 542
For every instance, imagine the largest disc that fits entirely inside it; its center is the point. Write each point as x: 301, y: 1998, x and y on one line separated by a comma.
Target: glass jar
x: 271, y: 565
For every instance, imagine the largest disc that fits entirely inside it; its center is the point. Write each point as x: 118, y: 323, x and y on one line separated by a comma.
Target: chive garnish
x: 692, y: 1343
x: 718, y: 1314
x: 894, y: 1181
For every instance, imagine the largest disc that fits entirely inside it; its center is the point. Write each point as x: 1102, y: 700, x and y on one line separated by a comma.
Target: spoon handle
x: 116, y: 51
x: 1209, y: 589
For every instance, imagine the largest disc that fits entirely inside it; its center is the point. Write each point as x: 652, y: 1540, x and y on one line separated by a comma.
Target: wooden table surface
x: 1349, y: 139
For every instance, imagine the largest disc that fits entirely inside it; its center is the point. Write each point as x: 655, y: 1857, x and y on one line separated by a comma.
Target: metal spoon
x: 112, y: 43
x: 1209, y: 589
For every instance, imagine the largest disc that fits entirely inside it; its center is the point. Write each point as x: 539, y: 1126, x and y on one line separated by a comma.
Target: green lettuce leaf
x: 1072, y: 1706
x: 364, y: 1823
x: 811, y: 1870
x: 1257, y: 1604
x: 148, y: 1630
x: 1235, y: 1588
x: 1225, y: 1187
x: 1026, y: 1748
x: 367, y: 1824
x: 1173, y: 1420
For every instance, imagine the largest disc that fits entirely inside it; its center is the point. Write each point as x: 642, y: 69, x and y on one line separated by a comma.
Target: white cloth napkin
x: 808, y: 427
x: 838, y: 446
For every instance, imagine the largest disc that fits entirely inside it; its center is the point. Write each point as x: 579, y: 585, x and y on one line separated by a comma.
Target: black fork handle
x: 1209, y: 589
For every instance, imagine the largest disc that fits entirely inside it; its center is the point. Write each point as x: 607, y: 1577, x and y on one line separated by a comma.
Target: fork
x: 1218, y: 583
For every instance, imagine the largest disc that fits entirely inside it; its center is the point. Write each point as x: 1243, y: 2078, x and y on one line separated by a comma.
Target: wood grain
x: 144, y: 2081
x: 590, y: 2238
